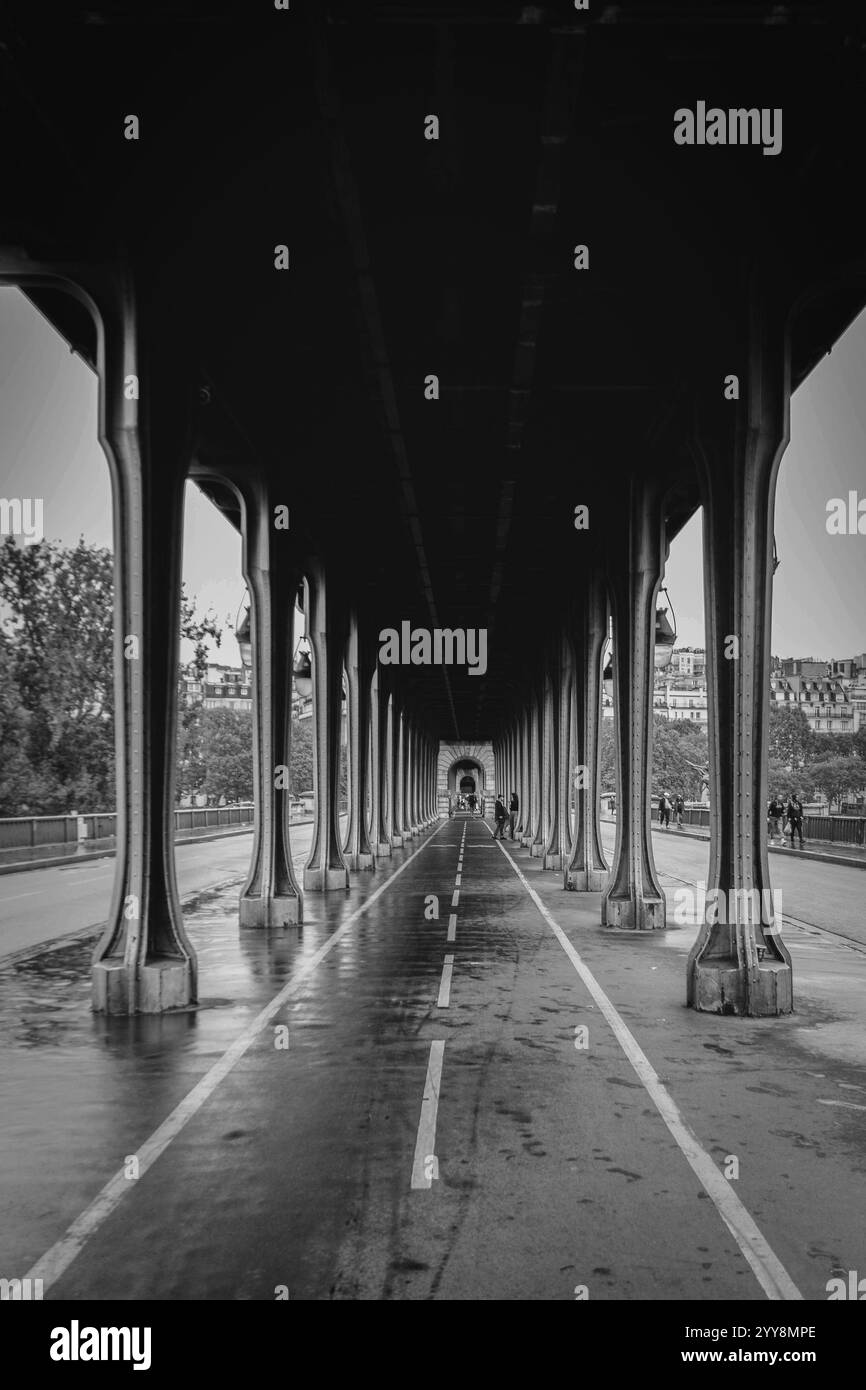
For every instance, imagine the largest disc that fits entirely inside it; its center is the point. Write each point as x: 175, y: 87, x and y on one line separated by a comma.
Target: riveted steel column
x: 739, y: 964
x: 271, y: 896
x: 586, y: 871
x: 633, y: 899
x: 326, y: 869
x: 360, y: 665
x: 144, y: 962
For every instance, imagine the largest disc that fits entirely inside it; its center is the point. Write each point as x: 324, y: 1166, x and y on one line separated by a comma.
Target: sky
x: 49, y: 449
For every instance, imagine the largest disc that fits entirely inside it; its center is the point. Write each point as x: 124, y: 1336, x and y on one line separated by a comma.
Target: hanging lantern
x: 665, y: 638
x: 243, y: 637
x: 302, y: 673
x: 607, y: 679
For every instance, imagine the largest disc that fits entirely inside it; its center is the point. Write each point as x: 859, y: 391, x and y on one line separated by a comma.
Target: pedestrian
x: 775, y: 817
x: 500, y: 815
x: 664, y: 810
x: 679, y: 807
x: 513, y: 808
x: 450, y: 806
x: 795, y: 817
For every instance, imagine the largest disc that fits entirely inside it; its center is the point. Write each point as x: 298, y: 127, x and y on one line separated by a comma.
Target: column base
x: 725, y: 987
x: 325, y: 880
x: 551, y: 861
x: 585, y: 880
x: 162, y: 984
x: 526, y: 841
x: 397, y: 841
x: 536, y: 850
x: 630, y: 914
x: 383, y: 849
x: 363, y: 860
x: 262, y: 912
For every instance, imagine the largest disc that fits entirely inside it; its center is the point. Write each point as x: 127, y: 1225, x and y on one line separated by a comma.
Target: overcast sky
x: 49, y: 449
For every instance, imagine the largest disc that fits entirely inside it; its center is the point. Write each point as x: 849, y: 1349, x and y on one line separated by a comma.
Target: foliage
x: 836, y: 777
x: 790, y: 740
x: 57, y: 676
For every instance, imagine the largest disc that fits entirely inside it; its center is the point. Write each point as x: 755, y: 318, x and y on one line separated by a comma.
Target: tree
x: 859, y: 742
x: 57, y: 665
x: 607, y: 757
x: 837, y: 776
x: 57, y: 675
x: 677, y: 744
x: 227, y: 740
x: 302, y: 756
x: 790, y: 740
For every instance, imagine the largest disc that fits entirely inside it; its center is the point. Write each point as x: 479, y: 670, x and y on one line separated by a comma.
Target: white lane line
x: 458, y: 880
x: 846, y: 1104
x: 57, y: 1260
x: 767, y: 1268
x: 452, y: 926
x: 425, y: 1164
x: 445, y: 988
x: 15, y: 896
x: 456, y: 898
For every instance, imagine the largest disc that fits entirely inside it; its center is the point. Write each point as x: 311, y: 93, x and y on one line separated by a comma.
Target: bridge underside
x: 432, y: 280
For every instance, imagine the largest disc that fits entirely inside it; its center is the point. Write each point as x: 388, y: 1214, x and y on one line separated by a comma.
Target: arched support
x: 633, y: 899
x: 271, y: 896
x: 326, y: 869
x: 739, y: 964
x: 543, y: 760
x: 381, y: 811
x: 360, y: 665
x: 533, y: 801
x: 586, y: 871
x: 144, y: 962
x: 556, y: 842
x: 395, y: 742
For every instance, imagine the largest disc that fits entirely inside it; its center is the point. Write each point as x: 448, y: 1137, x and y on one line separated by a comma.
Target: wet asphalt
x: 554, y: 1171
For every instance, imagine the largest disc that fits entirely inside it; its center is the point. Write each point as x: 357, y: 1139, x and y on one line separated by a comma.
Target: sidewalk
x: 825, y: 851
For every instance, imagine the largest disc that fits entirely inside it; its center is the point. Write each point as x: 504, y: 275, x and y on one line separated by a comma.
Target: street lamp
x: 665, y: 636
x: 302, y: 672
x: 607, y: 678
x: 243, y: 637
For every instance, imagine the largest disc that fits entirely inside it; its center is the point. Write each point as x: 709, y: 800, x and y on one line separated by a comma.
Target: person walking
x: 664, y: 810
x: 775, y: 818
x: 795, y: 817
x: 513, y: 808
x: 679, y: 807
x: 500, y: 815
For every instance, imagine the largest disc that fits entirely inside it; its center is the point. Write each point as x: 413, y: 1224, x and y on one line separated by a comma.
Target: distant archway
x: 465, y: 777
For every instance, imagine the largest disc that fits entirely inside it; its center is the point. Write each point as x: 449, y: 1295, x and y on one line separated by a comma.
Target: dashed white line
x: 846, y: 1104
x: 452, y: 926
x: 458, y: 880
x: 59, y: 1257
x: 456, y: 897
x: 765, y: 1264
x: 426, y: 1167
x: 445, y: 984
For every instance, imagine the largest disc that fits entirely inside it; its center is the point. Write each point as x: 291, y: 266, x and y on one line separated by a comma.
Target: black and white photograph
x: 432, y: 673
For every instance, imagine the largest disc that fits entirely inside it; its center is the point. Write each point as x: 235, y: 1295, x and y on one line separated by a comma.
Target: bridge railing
x: 37, y: 832
x: 839, y: 830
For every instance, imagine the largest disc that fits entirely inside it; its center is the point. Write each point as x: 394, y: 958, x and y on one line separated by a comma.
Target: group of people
x: 779, y: 815
x: 468, y: 802
x: 668, y: 806
x: 503, y: 817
